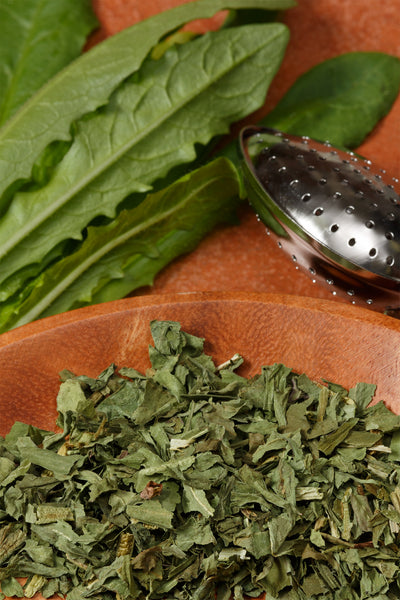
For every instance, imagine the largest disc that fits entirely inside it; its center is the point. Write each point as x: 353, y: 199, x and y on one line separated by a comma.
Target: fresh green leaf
x: 116, y: 258
x: 151, y: 124
x: 37, y: 39
x: 245, y: 17
x: 87, y: 83
x: 340, y: 99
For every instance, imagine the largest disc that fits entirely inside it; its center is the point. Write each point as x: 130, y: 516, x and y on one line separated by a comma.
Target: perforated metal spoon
x: 337, y: 218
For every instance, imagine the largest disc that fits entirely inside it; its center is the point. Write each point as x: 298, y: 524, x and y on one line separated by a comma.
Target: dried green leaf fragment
x: 11, y: 539
x: 191, y: 481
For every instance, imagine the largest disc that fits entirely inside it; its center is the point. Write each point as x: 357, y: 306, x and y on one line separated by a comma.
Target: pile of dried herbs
x: 194, y: 482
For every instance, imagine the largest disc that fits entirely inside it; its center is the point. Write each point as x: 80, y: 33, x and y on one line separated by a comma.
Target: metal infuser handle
x: 336, y: 217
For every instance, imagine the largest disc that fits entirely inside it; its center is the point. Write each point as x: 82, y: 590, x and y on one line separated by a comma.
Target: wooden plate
x: 321, y: 338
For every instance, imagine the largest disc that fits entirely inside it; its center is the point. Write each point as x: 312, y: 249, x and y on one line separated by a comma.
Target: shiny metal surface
x: 336, y: 217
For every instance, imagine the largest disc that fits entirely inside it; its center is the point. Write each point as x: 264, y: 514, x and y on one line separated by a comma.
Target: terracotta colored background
x: 242, y: 257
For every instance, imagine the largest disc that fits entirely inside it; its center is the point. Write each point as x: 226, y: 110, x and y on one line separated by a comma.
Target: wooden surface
x: 243, y: 258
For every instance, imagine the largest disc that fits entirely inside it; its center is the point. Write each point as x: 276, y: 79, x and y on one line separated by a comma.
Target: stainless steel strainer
x: 337, y: 218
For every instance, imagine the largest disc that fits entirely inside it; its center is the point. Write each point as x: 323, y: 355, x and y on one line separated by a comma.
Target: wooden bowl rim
x: 331, y: 308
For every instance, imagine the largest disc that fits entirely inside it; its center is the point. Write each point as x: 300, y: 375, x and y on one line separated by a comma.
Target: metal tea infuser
x: 336, y: 216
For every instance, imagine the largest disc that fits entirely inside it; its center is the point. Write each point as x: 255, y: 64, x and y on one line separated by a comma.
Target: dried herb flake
x: 191, y: 481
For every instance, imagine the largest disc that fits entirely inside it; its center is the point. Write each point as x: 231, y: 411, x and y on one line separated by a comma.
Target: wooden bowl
x: 321, y: 338
x: 324, y: 339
